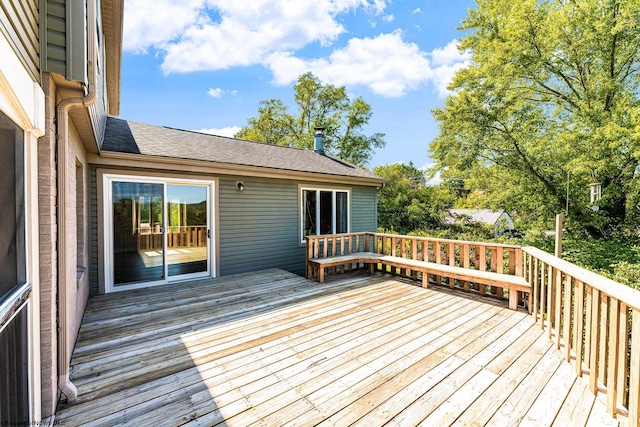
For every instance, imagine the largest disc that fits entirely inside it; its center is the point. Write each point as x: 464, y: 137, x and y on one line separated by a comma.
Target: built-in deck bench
x: 338, y: 254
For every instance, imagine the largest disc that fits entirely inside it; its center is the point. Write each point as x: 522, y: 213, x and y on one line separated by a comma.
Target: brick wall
x: 48, y: 251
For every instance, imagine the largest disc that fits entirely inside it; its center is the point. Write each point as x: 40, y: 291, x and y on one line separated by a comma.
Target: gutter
x: 178, y: 165
x: 62, y: 118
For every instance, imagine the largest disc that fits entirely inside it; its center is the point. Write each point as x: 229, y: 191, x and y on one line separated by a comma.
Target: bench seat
x: 514, y: 283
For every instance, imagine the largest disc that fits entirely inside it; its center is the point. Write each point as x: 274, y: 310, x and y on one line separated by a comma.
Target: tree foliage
x: 406, y: 203
x: 318, y: 105
x: 551, y: 97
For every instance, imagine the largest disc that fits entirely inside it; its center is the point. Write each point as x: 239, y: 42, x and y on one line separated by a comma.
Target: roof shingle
x: 124, y: 136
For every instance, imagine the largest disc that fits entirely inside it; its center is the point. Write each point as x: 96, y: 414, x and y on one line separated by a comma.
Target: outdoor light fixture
x: 239, y: 186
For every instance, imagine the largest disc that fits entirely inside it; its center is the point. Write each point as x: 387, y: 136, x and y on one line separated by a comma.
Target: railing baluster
x: 414, y: 255
x: 451, y: 257
x: 578, y: 331
x: 566, y: 321
x: 634, y: 367
x: 543, y: 294
x: 602, y: 345
x: 623, y: 349
x: 465, y: 260
x: 594, y: 333
x: 534, y: 276
x: 551, y: 277
x: 612, y: 358
x: 482, y: 266
x: 437, y: 250
x: 558, y: 305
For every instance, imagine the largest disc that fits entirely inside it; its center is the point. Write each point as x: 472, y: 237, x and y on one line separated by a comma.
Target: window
x: 14, y: 313
x: 324, y: 211
x: 12, y: 236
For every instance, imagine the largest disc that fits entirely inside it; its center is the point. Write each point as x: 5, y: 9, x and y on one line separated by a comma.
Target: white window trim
x: 333, y: 191
x: 107, y: 180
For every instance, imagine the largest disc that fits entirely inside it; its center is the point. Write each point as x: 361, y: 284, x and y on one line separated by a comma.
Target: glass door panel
x: 187, y: 239
x: 138, y: 254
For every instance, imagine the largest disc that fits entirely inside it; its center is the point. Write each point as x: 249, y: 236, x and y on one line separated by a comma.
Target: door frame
x: 105, y: 219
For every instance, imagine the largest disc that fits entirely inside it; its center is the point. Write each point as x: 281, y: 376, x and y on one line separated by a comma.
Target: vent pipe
x: 319, y: 141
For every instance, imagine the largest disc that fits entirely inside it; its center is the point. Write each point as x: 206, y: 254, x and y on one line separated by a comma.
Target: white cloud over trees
x: 209, y: 35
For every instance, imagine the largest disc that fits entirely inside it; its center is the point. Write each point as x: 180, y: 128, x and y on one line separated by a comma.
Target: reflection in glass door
x: 138, y: 254
x: 158, y: 231
x: 187, y: 240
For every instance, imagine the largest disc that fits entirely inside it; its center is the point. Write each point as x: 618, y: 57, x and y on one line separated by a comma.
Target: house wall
x: 22, y: 101
x: 257, y: 228
x: 19, y: 24
x: 63, y: 38
x: 77, y: 254
x: 48, y: 251
x: 504, y: 221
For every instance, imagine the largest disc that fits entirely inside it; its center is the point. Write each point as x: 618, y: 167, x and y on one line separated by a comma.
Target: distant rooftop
x: 124, y: 136
x: 485, y: 216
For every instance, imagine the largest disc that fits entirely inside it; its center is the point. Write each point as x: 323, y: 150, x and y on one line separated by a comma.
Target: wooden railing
x: 177, y: 237
x: 505, y: 259
x: 594, y: 321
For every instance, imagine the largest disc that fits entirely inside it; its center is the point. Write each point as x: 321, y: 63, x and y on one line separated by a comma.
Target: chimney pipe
x: 319, y: 141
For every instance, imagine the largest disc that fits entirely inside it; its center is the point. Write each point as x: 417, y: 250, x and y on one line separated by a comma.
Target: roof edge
x: 114, y: 159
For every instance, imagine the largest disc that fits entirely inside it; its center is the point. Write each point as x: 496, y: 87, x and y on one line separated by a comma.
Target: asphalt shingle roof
x: 124, y: 136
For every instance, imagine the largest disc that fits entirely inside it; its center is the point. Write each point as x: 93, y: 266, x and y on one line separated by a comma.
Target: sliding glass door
x: 159, y: 231
x: 187, y: 241
x: 138, y: 218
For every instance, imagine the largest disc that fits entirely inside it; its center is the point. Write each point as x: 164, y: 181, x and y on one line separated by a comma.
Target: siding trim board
x: 174, y: 165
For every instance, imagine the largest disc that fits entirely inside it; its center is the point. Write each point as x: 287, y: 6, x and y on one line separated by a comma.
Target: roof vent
x: 319, y: 141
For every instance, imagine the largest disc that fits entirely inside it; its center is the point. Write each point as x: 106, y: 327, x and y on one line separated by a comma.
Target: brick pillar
x: 47, y: 195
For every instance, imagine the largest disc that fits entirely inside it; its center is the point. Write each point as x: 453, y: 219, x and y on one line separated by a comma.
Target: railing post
x: 451, y: 255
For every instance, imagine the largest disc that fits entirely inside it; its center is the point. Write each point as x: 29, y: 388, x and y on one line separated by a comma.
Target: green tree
x: 318, y: 105
x: 406, y: 203
x: 551, y: 96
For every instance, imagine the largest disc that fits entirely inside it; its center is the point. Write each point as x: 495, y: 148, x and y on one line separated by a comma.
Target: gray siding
x: 64, y: 38
x: 258, y: 228
x: 19, y: 23
x: 364, y: 209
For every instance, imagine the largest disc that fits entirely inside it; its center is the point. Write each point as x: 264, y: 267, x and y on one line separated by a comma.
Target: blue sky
x: 206, y: 64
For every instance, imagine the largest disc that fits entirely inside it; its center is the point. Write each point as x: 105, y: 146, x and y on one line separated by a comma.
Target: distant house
x: 499, y: 220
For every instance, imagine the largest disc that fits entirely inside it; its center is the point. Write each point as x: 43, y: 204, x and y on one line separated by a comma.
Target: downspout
x: 62, y: 117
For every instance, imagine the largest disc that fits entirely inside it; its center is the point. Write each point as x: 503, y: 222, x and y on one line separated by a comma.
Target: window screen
x: 12, y: 238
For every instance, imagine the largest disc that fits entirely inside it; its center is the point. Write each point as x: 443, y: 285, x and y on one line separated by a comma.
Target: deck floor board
x: 271, y: 348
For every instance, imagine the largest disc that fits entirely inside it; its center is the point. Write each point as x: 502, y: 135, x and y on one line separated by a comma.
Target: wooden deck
x: 272, y: 348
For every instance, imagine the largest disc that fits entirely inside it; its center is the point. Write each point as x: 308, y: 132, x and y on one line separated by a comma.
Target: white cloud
x: 416, y: 11
x: 205, y: 35
x: 216, y: 92
x: 447, y: 61
x: 226, y: 131
x: 437, y: 179
x: 386, y: 64
x: 143, y: 30
x: 201, y: 35
x: 388, y: 18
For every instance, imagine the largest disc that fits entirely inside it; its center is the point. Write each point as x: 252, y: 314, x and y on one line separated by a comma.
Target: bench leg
x: 371, y: 267
x: 425, y: 280
x: 321, y: 274
x: 513, y: 299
